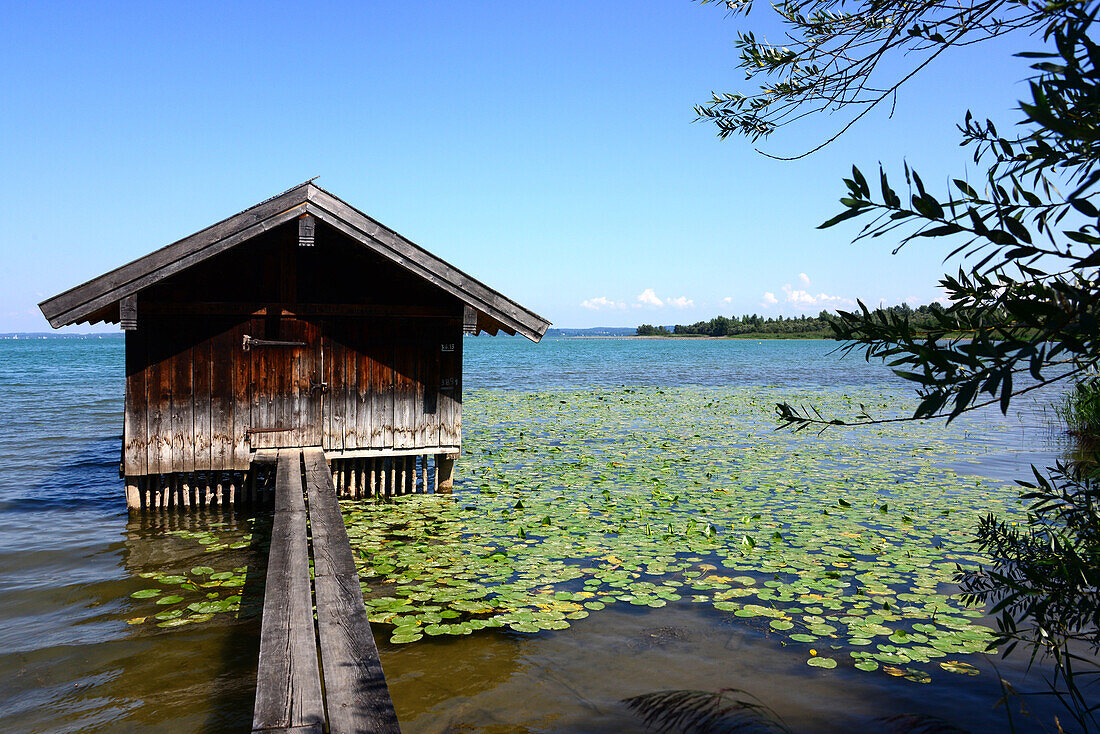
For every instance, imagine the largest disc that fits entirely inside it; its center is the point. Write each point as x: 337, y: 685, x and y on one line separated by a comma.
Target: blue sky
x: 546, y: 148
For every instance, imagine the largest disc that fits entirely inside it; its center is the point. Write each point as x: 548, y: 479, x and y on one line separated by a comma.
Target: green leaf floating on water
x: 819, y: 662
x: 145, y: 593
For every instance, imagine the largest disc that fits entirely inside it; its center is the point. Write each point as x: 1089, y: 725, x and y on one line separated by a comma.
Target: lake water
x: 70, y: 558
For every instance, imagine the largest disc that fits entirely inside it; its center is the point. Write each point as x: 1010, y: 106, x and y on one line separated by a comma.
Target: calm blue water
x: 69, y: 552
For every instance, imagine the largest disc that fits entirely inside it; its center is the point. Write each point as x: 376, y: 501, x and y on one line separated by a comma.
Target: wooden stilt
x: 435, y: 474
x: 373, y: 485
x: 444, y: 468
x: 133, y: 494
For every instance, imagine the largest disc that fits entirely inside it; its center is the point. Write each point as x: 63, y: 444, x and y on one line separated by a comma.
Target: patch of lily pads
x: 569, y: 502
x: 196, y: 594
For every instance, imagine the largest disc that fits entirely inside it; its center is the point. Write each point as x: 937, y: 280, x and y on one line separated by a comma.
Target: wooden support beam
x: 127, y: 313
x: 288, y: 681
x: 306, y: 226
x: 469, y: 320
x: 355, y: 686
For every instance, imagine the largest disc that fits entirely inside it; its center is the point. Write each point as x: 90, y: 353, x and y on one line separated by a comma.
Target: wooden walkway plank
x: 288, y: 682
x: 355, y: 686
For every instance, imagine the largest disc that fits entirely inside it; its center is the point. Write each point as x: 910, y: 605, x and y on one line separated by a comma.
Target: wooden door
x: 287, y: 383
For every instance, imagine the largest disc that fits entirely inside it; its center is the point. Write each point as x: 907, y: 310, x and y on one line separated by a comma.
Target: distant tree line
x: 922, y: 317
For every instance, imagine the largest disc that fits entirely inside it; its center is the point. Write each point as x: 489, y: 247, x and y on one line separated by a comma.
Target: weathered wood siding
x: 197, y: 401
x: 181, y: 415
x: 384, y: 384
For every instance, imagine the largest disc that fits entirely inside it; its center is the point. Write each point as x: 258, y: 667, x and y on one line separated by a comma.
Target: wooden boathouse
x: 298, y: 322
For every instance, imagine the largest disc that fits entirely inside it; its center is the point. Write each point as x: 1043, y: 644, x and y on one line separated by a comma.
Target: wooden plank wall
x: 186, y: 398
x: 191, y: 395
x: 450, y: 391
x: 384, y: 384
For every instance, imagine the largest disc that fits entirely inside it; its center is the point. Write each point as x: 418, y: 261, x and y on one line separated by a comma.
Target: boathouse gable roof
x: 98, y: 299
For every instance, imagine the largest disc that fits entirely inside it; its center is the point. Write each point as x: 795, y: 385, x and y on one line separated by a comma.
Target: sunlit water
x: 70, y: 558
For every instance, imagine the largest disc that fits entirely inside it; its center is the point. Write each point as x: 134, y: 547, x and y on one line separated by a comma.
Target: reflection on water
x: 70, y: 558
x: 575, y: 680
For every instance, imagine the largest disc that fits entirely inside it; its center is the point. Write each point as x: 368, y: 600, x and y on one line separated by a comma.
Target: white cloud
x: 804, y: 278
x: 727, y: 299
x: 602, y: 302
x: 799, y: 297
x: 681, y: 302
x: 770, y: 299
x: 649, y: 298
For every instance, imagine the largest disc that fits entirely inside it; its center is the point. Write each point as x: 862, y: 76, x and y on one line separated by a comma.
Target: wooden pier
x: 346, y: 691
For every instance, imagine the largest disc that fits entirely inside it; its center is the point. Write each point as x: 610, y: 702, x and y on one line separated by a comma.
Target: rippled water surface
x: 74, y: 658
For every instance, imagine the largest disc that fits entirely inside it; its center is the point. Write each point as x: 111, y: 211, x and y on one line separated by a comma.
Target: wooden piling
x: 133, y: 494
x: 445, y: 467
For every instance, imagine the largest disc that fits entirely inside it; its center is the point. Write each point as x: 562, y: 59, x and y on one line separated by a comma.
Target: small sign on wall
x: 447, y: 347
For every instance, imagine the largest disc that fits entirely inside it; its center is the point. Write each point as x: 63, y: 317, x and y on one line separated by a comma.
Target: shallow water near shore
x: 74, y: 658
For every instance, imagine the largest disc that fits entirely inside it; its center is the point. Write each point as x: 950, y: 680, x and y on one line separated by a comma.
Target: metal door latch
x: 251, y: 342
x: 322, y: 386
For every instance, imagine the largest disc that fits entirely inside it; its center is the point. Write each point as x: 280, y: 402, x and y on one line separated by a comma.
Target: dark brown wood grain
x: 135, y: 456
x: 158, y: 386
x: 288, y: 682
x: 381, y: 351
x: 240, y: 449
x: 450, y: 390
x: 223, y: 355
x: 356, y: 696
x: 350, y: 378
x: 334, y: 399
x: 364, y: 374
x: 404, y: 390
x: 200, y: 383
x: 183, y: 399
